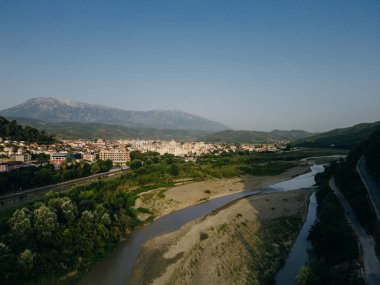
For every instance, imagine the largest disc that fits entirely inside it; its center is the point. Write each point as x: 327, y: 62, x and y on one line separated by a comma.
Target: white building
x: 89, y: 157
x: 23, y: 157
x: 58, y: 158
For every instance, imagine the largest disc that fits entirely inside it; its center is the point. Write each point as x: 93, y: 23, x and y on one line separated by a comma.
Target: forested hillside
x: 13, y: 131
x: 346, y: 138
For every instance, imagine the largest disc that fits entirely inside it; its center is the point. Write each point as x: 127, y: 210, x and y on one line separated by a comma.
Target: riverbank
x: 166, y: 200
x: 244, y: 241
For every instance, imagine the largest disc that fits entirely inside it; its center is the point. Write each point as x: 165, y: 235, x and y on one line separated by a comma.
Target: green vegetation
x: 335, y: 247
x: 65, y: 233
x: 272, y: 247
x: 31, y: 177
x: 13, y: 131
x: 76, y: 130
x: 231, y: 136
x: 335, y: 259
x: 372, y: 154
x: 336, y: 252
x: 346, y: 138
x: 351, y: 185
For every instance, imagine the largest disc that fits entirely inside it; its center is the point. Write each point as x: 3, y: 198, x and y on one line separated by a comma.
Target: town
x: 19, y: 154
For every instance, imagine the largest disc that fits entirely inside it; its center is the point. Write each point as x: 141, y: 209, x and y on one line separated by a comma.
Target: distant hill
x: 52, y: 110
x: 73, y: 130
x: 345, y: 138
x: 14, y: 131
x: 230, y: 136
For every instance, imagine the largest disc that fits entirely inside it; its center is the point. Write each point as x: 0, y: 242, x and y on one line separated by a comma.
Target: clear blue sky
x: 260, y: 65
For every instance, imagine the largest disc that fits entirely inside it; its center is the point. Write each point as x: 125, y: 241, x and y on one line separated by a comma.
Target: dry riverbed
x: 166, y: 200
x: 245, y: 241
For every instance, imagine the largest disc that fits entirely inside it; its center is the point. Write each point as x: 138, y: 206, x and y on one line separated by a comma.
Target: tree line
x: 31, y: 177
x: 335, y: 251
x: 13, y: 131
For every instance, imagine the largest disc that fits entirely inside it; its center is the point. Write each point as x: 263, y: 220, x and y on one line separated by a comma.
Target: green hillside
x: 230, y: 136
x: 12, y: 130
x: 345, y: 138
x: 73, y: 130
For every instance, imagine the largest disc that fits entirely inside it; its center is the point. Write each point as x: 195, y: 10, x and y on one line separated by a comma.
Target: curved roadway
x: 370, y: 184
x: 371, y: 263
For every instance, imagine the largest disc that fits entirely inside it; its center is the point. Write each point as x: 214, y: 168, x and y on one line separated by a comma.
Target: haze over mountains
x: 70, y: 119
x: 58, y: 110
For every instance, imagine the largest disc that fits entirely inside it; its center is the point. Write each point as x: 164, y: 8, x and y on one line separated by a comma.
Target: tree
x: 45, y: 221
x: 135, y: 164
x: 25, y: 260
x: 5, y: 262
x: 20, y: 223
x: 69, y: 210
x: 43, y: 176
x: 43, y: 157
x: 303, y: 275
x: 174, y: 170
x: 95, y: 168
x: 136, y: 155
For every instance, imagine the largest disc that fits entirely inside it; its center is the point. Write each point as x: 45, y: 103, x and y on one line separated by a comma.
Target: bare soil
x: 166, y: 200
x: 218, y: 248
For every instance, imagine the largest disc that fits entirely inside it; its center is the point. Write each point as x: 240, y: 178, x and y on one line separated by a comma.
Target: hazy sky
x: 261, y: 65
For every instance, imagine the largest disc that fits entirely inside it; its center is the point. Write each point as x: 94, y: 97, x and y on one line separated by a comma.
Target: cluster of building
x: 16, y: 154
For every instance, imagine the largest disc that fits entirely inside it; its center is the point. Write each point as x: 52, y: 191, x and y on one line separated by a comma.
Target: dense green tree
x: 20, y: 224
x: 26, y: 259
x: 45, y: 221
x: 136, y: 155
x: 174, y: 170
x: 10, y: 129
x: 135, y: 164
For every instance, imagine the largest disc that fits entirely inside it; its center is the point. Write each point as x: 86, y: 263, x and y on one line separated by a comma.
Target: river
x: 117, y: 267
x: 299, y: 253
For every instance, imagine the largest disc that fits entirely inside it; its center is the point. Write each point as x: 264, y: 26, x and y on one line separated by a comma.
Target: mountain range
x: 69, y: 119
x: 53, y: 110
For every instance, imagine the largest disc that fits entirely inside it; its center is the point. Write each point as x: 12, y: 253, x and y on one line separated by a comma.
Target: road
x: 12, y: 198
x: 370, y: 184
x: 371, y: 263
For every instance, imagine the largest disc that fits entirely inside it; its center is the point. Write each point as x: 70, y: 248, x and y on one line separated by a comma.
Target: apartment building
x: 58, y: 158
x: 23, y: 157
x: 116, y: 155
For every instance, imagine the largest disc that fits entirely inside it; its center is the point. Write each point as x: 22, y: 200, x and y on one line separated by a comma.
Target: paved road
x: 371, y: 263
x: 12, y: 198
x: 370, y: 184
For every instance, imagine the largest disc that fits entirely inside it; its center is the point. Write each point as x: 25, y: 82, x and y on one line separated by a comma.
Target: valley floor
x: 246, y: 241
x: 166, y: 200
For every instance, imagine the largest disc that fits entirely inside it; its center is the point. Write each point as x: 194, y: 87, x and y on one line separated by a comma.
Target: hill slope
x: 74, y: 130
x: 230, y: 136
x: 12, y: 130
x: 58, y: 110
x: 345, y: 138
